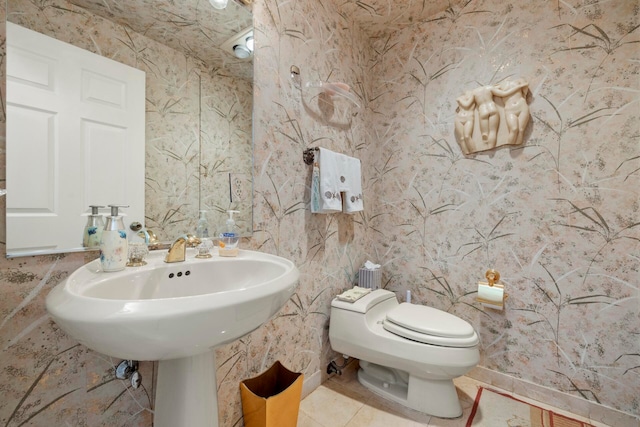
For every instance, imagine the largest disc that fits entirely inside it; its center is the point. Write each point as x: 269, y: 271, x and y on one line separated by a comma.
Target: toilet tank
x: 365, y: 303
x: 349, y: 322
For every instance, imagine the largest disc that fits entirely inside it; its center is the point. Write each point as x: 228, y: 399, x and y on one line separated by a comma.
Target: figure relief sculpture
x: 516, y: 110
x: 488, y: 114
x: 491, y: 116
x: 464, y: 122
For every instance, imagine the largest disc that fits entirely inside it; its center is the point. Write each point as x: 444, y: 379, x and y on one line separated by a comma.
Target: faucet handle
x: 192, y: 241
x: 153, y: 238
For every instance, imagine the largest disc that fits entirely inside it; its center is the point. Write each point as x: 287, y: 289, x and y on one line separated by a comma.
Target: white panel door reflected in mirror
x: 198, y: 112
x: 75, y: 137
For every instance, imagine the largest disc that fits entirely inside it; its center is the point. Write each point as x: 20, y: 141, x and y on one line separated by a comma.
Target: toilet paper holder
x: 493, y: 277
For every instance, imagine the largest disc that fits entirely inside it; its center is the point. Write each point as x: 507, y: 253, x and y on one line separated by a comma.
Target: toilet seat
x: 429, y: 326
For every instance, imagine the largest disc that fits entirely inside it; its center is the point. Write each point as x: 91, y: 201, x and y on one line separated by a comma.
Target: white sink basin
x: 166, y: 311
x: 175, y: 313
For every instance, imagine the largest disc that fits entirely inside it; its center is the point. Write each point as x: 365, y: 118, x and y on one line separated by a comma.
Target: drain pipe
x: 334, y: 368
x: 128, y: 370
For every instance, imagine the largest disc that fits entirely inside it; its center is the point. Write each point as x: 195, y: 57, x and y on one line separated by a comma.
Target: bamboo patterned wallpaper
x: 558, y: 217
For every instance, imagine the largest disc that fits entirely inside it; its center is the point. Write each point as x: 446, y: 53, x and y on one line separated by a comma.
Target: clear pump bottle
x: 202, y: 230
x: 229, y: 237
x: 202, y: 233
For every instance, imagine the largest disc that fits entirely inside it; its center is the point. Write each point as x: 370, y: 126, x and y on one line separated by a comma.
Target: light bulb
x: 241, y: 52
x: 249, y: 43
x: 219, y: 4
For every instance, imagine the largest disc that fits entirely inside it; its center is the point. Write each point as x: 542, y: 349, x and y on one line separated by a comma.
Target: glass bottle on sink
x: 202, y: 233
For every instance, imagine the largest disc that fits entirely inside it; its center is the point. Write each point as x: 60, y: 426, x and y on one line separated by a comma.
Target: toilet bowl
x: 408, y: 353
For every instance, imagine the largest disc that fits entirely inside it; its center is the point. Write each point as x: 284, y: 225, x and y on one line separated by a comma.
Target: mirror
x: 198, y: 138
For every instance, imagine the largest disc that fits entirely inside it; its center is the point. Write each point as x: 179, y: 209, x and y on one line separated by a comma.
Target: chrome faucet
x: 178, y: 250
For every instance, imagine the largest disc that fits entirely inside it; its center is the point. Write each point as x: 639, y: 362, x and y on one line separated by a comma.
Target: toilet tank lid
x: 365, y: 303
x: 430, y: 321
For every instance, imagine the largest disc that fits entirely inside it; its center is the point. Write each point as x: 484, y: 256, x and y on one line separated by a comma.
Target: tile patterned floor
x: 342, y: 401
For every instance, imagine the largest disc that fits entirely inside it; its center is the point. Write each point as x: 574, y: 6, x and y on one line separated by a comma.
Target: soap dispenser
x: 93, y: 230
x: 114, y: 247
x: 228, y: 237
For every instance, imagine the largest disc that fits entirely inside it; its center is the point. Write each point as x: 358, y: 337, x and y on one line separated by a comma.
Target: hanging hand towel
x: 315, y: 189
x: 352, y: 187
x: 329, y: 189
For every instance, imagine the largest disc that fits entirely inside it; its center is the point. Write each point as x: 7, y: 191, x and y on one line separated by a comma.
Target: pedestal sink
x: 175, y: 313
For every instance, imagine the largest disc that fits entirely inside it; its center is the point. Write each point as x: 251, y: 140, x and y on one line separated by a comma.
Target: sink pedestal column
x: 186, y: 392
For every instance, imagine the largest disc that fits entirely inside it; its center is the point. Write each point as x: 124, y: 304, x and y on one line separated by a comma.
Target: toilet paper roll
x: 491, y: 296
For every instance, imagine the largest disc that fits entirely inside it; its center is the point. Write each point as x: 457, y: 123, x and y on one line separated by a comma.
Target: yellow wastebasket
x: 272, y: 399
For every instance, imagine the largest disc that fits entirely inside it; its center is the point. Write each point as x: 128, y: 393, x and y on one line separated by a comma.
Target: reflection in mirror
x: 198, y: 151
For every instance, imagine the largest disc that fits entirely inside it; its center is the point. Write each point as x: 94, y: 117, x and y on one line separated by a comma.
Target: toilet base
x: 434, y: 397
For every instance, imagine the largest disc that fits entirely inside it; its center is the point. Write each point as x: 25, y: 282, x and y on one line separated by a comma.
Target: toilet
x: 408, y: 353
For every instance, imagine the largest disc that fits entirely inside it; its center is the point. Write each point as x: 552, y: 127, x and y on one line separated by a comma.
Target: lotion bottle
x: 229, y: 237
x: 114, y: 247
x: 93, y: 230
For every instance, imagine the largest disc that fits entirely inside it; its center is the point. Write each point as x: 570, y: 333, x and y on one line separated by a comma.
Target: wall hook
x: 295, y: 76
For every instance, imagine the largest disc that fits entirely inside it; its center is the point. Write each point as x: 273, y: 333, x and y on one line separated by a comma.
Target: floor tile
x: 348, y: 382
x: 305, y: 420
x: 330, y: 408
x: 454, y: 422
x: 342, y: 401
x: 369, y: 416
x: 386, y: 405
x: 549, y: 407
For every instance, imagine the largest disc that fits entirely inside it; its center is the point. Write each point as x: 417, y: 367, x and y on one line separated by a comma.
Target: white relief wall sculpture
x: 464, y: 121
x: 490, y: 116
x: 516, y: 110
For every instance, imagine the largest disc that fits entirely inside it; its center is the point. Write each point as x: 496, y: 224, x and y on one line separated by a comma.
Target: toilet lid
x: 430, y: 326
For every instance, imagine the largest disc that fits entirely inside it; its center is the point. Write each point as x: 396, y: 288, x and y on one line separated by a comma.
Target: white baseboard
x: 311, y: 383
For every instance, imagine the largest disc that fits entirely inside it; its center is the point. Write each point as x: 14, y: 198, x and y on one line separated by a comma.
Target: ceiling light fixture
x: 219, y: 4
x: 240, y: 45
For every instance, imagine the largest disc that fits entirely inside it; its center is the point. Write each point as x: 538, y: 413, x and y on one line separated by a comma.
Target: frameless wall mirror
x: 197, y: 63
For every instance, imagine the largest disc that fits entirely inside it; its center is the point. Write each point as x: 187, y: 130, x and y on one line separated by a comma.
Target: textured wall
x: 328, y: 249
x: 556, y: 216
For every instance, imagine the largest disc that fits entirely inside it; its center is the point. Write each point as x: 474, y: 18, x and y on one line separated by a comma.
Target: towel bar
x: 308, y: 155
